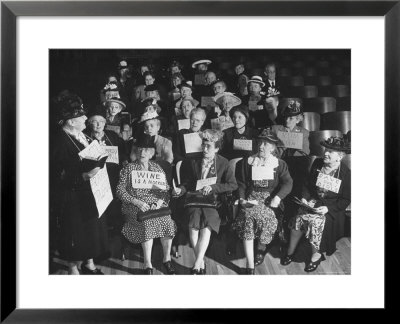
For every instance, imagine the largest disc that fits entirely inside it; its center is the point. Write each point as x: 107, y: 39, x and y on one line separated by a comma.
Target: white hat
x: 148, y: 116
x: 200, y: 62
x: 257, y: 79
x: 235, y: 100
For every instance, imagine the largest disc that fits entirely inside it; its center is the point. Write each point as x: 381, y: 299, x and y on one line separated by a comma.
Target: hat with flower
x: 336, y: 143
x: 69, y: 106
x: 293, y: 108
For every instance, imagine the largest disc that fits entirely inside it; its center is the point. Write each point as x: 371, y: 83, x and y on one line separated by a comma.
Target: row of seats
x: 320, y: 105
x: 320, y: 81
x: 339, y: 120
x: 313, y: 91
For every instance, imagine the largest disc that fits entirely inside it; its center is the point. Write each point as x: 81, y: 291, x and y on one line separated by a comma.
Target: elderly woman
x: 327, y: 192
x: 221, y: 119
x: 220, y: 179
x: 264, y: 181
x: 83, y: 234
x: 181, y: 122
x: 239, y: 140
x: 197, y: 119
x: 186, y: 90
x: 138, y: 197
x: 114, y: 106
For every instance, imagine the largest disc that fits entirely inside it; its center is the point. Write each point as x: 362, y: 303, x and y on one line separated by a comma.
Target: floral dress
x: 133, y: 230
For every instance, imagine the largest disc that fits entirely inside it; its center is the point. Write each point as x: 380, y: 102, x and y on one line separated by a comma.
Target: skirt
x: 200, y: 218
x: 258, y: 222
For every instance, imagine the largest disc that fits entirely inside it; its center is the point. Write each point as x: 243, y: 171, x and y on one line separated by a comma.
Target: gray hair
x: 198, y: 110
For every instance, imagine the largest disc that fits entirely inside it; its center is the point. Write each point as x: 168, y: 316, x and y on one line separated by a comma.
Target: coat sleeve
x: 241, y: 178
x: 343, y: 200
x: 285, y: 181
x: 228, y: 180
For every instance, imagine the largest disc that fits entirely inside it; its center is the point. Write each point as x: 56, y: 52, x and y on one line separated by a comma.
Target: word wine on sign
x: 148, y: 180
x: 291, y: 139
x: 101, y: 189
x: 328, y: 182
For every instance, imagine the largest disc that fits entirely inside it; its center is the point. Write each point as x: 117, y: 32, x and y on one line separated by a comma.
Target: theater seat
x: 343, y: 104
x: 324, y: 80
x: 284, y: 72
x: 311, y: 121
x: 295, y: 81
x: 309, y: 91
x: 310, y: 72
x: 320, y: 105
x: 340, y: 120
x: 317, y: 136
x: 337, y: 91
x: 347, y: 160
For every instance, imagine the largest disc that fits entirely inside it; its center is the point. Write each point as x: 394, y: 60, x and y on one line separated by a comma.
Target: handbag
x: 198, y: 200
x: 153, y: 213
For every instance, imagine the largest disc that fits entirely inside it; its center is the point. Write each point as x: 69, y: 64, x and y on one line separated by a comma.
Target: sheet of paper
x: 262, y: 173
x: 242, y: 144
x: 328, y: 182
x: 183, y: 124
x: 148, y: 180
x: 291, y: 139
x: 205, y: 182
x: 93, y: 151
x: 101, y: 189
x: 112, y: 152
x: 193, y: 143
x: 208, y: 102
x: 221, y: 123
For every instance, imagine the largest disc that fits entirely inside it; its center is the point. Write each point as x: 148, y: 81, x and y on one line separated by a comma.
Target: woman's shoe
x: 287, y: 259
x: 312, y: 266
x: 250, y: 271
x: 87, y: 271
x: 259, y: 258
x: 194, y: 272
x: 148, y: 271
x: 170, y: 268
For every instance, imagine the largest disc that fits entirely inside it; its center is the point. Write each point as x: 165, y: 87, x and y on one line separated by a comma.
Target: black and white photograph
x: 200, y: 161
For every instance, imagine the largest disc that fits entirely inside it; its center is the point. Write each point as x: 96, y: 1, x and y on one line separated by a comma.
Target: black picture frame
x: 10, y: 10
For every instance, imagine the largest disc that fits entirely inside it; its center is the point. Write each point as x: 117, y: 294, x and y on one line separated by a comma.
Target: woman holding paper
x: 211, y: 175
x: 264, y: 181
x: 327, y: 195
x: 182, y: 122
x: 221, y: 119
x: 83, y: 234
x: 138, y: 194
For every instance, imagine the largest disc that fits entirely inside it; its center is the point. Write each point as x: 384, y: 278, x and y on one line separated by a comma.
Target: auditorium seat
x: 324, y: 80
x: 308, y: 91
x: 337, y: 91
x: 320, y: 105
x: 310, y: 71
x: 284, y: 72
x: 341, y: 79
x: 343, y: 104
x: 347, y: 160
x: 340, y: 120
x: 317, y: 136
x: 295, y: 81
x: 311, y: 121
x: 311, y: 159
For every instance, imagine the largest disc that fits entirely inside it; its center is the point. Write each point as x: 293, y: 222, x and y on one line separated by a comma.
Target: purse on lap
x: 153, y: 213
x: 198, y: 200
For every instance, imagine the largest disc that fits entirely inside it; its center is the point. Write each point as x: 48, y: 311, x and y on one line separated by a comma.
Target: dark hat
x: 268, y: 135
x: 69, y: 106
x: 145, y: 141
x: 98, y: 111
x: 148, y: 116
x: 337, y: 144
x: 293, y: 108
x: 117, y: 100
x: 187, y: 84
x: 242, y: 109
x: 148, y: 102
x: 151, y: 87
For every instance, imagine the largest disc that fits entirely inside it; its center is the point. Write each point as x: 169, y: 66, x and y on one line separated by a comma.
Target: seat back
x: 340, y: 90
x: 324, y: 80
x: 309, y: 91
x: 343, y: 104
x: 178, y: 170
x: 347, y: 160
x: 311, y: 121
x: 317, y: 136
x: 340, y: 120
x: 320, y: 105
x: 296, y: 81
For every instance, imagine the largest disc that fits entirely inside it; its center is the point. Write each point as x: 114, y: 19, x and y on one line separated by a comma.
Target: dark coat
x: 230, y: 135
x: 335, y: 202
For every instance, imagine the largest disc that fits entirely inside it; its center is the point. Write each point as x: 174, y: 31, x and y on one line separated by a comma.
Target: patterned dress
x: 133, y: 230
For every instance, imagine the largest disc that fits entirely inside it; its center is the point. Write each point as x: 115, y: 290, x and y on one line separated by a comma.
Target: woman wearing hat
x: 175, y: 80
x: 238, y: 140
x: 222, y: 119
x: 114, y: 106
x: 328, y: 191
x: 139, y: 92
x: 183, y: 121
x: 201, y: 66
x: 186, y: 91
x: 264, y: 181
x: 254, y: 101
x: 83, y: 235
x: 202, y: 221
x: 136, y: 197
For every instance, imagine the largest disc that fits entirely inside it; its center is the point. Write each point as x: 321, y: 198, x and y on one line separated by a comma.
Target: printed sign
x: 242, y: 144
x: 112, y: 152
x: 193, y: 143
x: 101, y: 190
x: 205, y: 182
x: 328, y: 182
x: 183, y: 124
x: 93, y: 151
x: 291, y: 140
x: 199, y: 79
x: 148, y: 180
x: 115, y: 129
x: 208, y: 102
x: 262, y: 173
x: 221, y: 123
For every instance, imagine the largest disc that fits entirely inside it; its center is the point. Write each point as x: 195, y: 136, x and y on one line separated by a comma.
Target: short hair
x: 188, y: 99
x: 220, y: 81
x: 198, y: 110
x: 91, y: 117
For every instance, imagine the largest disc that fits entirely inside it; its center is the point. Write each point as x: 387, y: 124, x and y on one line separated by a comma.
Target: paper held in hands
x: 183, y: 123
x: 262, y: 173
x: 328, y: 182
x: 242, y: 144
x: 93, y: 156
x: 193, y: 143
x: 208, y: 102
x: 148, y: 180
x: 205, y: 182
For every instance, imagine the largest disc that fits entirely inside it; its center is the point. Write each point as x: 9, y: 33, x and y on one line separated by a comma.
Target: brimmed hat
x: 293, y: 109
x: 269, y: 136
x: 194, y: 64
x: 187, y: 84
x: 122, y: 65
x: 257, y: 79
x: 242, y: 109
x: 337, y: 144
x: 148, y: 116
x: 151, y: 87
x: 145, y: 141
x: 98, y: 111
x: 218, y: 98
x: 211, y: 135
x: 117, y: 100
x: 69, y: 106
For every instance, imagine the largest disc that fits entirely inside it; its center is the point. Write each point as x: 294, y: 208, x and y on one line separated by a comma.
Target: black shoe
x: 203, y: 271
x: 312, y: 266
x: 86, y: 271
x: 287, y: 259
x: 194, y: 272
x: 170, y: 268
x: 259, y: 258
x: 250, y: 271
x: 148, y: 271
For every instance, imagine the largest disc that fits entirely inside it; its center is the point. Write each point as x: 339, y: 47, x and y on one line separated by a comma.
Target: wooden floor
x: 217, y: 262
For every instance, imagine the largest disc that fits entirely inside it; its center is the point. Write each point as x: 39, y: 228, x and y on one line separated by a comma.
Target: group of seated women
x: 234, y: 147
